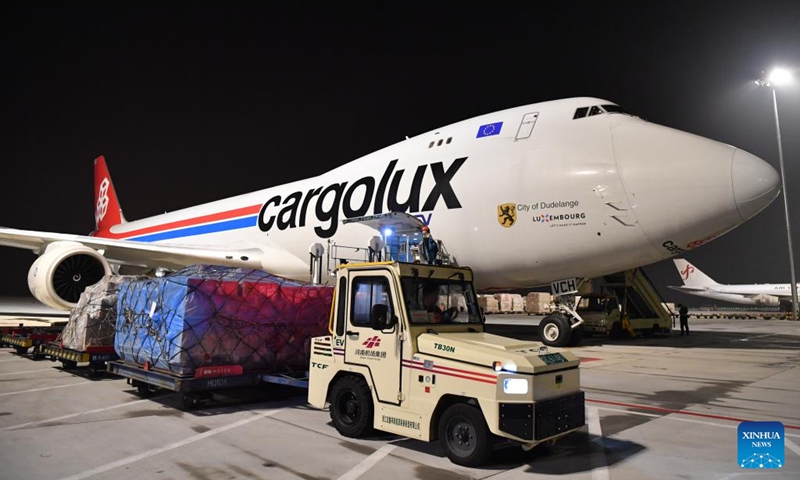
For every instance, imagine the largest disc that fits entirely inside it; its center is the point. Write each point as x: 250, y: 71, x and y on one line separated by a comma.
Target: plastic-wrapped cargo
x: 505, y: 302
x: 92, y: 322
x: 208, y: 315
x: 517, y: 303
x: 538, y: 303
x: 488, y: 304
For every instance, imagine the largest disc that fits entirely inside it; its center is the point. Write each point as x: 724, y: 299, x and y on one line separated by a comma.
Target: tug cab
x: 407, y: 354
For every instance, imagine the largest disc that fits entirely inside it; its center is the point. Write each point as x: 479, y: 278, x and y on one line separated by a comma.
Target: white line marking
x: 28, y: 371
x: 680, y: 419
x: 369, y: 462
x: 792, y: 446
x: 171, y: 446
x: 597, y: 460
x: 12, y: 360
x: 71, y: 415
x: 43, y: 389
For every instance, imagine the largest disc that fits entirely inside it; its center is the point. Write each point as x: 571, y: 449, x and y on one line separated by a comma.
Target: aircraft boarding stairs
x: 399, y: 239
x: 643, y: 308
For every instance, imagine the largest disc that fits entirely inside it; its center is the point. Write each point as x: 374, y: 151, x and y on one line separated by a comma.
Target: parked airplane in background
x: 698, y: 283
x: 524, y: 196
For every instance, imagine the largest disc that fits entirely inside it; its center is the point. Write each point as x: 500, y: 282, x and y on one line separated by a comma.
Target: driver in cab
x: 430, y: 302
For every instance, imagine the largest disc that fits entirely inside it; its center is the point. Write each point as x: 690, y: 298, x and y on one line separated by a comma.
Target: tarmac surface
x: 662, y: 407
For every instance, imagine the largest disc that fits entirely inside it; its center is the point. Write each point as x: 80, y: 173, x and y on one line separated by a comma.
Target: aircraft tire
x: 577, y: 337
x: 555, y: 331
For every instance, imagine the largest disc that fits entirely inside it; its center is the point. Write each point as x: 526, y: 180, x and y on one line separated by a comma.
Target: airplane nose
x: 684, y: 190
x: 755, y: 183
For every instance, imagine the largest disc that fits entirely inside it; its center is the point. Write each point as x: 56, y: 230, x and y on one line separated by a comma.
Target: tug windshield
x: 440, y: 301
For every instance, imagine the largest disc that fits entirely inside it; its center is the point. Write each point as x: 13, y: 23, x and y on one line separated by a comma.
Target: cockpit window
x: 613, y: 109
x: 580, y: 113
x: 597, y: 110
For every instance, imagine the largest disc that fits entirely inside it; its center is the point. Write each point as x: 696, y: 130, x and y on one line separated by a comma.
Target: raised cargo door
x: 377, y: 350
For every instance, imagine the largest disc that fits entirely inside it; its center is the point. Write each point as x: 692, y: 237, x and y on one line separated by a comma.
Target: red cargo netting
x: 206, y: 316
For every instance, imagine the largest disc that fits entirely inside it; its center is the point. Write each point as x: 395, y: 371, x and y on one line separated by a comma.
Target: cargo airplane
x: 698, y: 283
x: 524, y: 196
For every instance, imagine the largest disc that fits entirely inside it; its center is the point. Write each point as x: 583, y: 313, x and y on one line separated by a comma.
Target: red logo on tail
x: 102, y: 201
x: 687, y: 271
x: 106, y: 206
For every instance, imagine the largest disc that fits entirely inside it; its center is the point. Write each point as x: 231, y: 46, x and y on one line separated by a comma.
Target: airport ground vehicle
x: 614, y: 304
x: 408, y: 355
x: 598, y: 312
x: 200, y: 387
x: 95, y: 356
x: 25, y: 340
x: 642, y: 307
x: 628, y: 304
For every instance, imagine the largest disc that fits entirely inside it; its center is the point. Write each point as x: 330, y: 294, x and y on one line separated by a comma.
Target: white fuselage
x: 778, y: 290
x: 592, y: 196
x: 695, y: 282
x: 755, y: 294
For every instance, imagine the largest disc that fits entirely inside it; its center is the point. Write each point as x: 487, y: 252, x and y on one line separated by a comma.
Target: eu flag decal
x: 489, y: 130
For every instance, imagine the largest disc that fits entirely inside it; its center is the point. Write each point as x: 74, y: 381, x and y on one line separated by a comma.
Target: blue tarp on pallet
x: 205, y: 315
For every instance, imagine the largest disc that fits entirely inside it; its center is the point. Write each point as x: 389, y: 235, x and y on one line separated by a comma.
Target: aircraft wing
x: 139, y: 253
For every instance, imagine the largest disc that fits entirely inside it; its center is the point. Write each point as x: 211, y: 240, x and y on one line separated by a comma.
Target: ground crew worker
x: 429, y: 246
x: 430, y: 301
x: 683, y: 311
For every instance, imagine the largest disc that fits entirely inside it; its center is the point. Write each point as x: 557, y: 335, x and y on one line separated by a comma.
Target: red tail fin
x: 107, y: 211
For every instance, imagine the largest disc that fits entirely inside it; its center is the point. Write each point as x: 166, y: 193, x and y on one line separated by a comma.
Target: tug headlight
x: 508, y: 366
x: 515, y: 386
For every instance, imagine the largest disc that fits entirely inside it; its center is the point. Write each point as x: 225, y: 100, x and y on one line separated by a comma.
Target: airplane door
x: 526, y: 127
x: 378, y: 350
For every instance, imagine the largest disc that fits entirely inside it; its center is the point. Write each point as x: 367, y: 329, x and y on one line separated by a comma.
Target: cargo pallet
x: 23, y: 342
x: 96, y: 356
x: 196, y: 389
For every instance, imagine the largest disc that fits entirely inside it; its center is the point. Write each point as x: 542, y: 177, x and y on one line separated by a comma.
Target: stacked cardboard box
x: 488, y: 304
x: 510, y: 302
x: 538, y: 303
x: 517, y: 303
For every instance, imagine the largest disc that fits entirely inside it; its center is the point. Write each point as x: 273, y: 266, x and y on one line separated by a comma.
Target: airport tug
x: 408, y: 355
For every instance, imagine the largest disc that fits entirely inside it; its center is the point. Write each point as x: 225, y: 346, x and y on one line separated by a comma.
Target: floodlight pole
x: 785, y: 206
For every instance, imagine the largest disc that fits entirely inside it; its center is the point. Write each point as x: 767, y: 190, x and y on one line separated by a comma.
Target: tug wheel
x: 464, y: 435
x: 351, y: 407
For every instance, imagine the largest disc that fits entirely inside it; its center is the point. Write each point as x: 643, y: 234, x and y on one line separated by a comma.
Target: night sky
x: 195, y: 102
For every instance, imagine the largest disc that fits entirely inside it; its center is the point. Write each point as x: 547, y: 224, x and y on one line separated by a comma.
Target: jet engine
x: 58, y: 277
x: 769, y: 300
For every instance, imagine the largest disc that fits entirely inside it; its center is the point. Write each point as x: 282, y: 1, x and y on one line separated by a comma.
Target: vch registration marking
x: 342, y: 199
